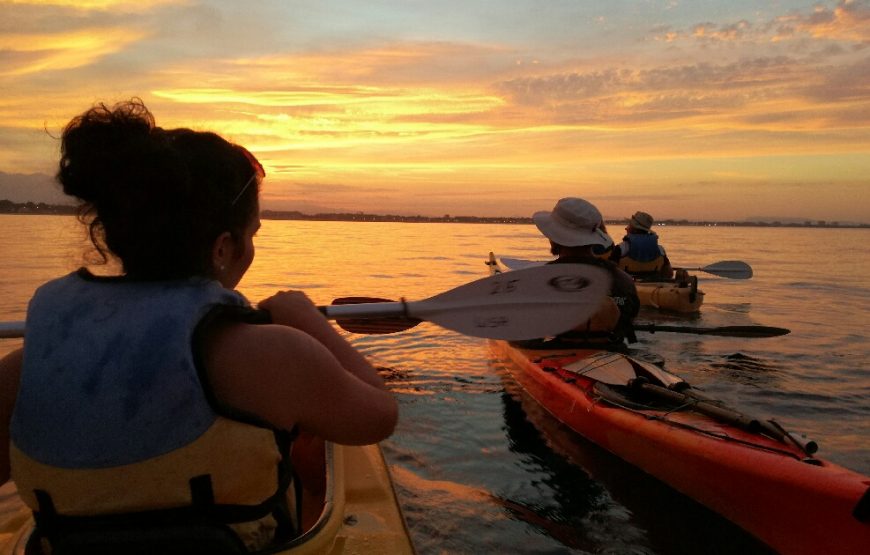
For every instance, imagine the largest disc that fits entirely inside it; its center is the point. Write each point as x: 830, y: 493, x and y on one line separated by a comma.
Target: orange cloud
x: 391, y: 102
x: 37, y: 52
x: 101, y: 5
x: 849, y: 21
x: 521, y: 138
x: 410, y: 63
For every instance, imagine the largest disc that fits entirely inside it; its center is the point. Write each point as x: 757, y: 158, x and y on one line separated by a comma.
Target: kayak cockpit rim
x: 329, y: 502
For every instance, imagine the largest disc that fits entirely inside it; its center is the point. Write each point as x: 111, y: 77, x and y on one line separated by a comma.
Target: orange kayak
x: 752, y: 472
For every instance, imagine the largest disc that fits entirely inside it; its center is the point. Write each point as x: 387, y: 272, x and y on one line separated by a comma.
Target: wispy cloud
x: 783, y: 89
x: 32, y: 53
x: 98, y: 5
x: 849, y: 20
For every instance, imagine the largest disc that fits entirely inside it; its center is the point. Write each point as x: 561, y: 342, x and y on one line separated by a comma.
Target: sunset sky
x: 693, y: 109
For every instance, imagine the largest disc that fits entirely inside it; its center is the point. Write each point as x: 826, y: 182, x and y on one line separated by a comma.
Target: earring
x: 222, y: 268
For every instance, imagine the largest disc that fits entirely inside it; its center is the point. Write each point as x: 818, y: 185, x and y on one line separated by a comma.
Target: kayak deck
x: 16, y: 520
x: 748, y: 471
x: 360, y: 515
x: 364, y: 515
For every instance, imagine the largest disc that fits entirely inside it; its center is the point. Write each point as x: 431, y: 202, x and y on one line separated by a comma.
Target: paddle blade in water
x: 732, y: 269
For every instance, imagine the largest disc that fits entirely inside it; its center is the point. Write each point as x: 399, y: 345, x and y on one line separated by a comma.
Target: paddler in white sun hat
x: 576, y: 232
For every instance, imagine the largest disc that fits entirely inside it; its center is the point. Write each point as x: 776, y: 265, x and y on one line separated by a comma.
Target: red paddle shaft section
x: 373, y: 326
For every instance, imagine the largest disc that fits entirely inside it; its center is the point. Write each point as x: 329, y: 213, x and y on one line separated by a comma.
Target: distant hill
x: 34, y: 187
x: 800, y: 221
x: 40, y: 193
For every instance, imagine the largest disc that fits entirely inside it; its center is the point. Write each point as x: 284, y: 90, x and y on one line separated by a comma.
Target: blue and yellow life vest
x: 611, y: 321
x: 644, y: 254
x: 114, y: 415
x: 601, y: 252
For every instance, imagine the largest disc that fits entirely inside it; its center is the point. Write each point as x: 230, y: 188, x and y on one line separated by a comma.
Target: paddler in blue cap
x: 640, y: 253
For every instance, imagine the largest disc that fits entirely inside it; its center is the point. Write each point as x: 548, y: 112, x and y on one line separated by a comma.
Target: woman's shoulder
x: 242, y: 359
x: 254, y: 340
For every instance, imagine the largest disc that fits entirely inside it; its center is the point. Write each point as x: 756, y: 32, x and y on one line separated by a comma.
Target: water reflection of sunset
x: 404, y: 108
x: 473, y: 473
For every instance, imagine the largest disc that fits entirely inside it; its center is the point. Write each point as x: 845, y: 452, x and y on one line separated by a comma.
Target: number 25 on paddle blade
x: 503, y: 286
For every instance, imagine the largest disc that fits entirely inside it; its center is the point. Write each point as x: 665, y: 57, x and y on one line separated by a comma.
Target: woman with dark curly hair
x: 160, y: 393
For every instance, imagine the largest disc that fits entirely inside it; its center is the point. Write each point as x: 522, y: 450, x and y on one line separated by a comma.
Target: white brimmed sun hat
x: 641, y: 221
x: 573, y: 222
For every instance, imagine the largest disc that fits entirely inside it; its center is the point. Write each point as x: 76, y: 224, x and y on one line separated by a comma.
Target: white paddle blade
x: 538, y: 301
x: 520, y: 263
x: 534, y: 302
x: 734, y: 269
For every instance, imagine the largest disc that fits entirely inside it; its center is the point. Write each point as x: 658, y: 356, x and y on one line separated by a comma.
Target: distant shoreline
x: 33, y: 208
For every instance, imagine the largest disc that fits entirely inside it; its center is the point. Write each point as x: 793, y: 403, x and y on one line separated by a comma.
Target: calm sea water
x: 480, y: 470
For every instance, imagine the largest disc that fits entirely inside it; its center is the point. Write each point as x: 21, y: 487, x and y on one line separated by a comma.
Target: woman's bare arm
x: 286, y: 377
x: 293, y: 308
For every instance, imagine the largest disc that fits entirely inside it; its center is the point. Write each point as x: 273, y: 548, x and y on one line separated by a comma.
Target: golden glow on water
x: 330, y: 259
x: 471, y: 471
x: 455, y: 492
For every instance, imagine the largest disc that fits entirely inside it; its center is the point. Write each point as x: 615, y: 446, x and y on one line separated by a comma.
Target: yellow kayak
x: 682, y: 294
x: 360, y: 515
x: 671, y: 295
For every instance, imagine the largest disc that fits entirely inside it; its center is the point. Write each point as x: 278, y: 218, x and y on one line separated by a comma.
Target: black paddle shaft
x: 727, y: 331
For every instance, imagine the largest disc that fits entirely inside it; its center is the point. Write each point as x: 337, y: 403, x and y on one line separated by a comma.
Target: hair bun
x: 156, y: 198
x: 97, y: 148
